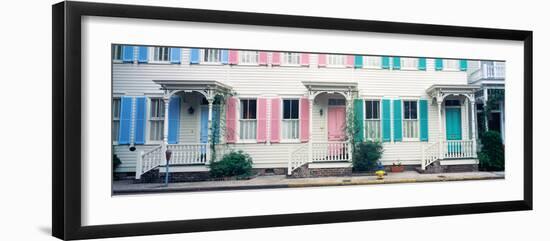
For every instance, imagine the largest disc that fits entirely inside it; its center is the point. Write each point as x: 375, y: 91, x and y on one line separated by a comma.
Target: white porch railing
x: 330, y: 151
x: 430, y: 154
x: 447, y: 150
x: 297, y: 157
x: 489, y: 71
x: 147, y: 161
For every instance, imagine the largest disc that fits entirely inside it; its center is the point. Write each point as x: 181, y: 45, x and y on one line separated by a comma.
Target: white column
x: 440, y: 113
x: 310, y: 139
x: 209, y: 133
x: 474, y: 128
x: 165, y: 134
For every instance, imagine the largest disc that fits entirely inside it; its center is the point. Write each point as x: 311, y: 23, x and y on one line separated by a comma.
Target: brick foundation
x: 304, y: 171
x: 436, y: 167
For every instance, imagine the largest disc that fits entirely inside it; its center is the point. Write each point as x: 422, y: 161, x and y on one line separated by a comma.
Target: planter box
x: 397, y: 168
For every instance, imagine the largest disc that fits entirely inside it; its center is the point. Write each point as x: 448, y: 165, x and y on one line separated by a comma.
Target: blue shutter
x: 423, y: 120
x: 175, y: 55
x: 396, y: 63
x: 397, y: 125
x: 358, y: 61
x: 143, y: 54
x: 225, y: 56
x: 385, y: 62
x: 125, y: 120
x: 139, y: 127
x: 438, y: 64
x: 128, y: 54
x: 386, y: 121
x: 173, y: 120
x: 195, y: 56
x: 463, y: 65
x: 421, y: 63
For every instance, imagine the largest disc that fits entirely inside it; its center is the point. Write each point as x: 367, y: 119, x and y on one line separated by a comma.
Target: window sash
x: 117, y: 55
x: 372, y: 110
x: 336, y: 60
x: 409, y: 63
x: 451, y: 64
x: 211, y: 56
x: 410, y: 110
x: 373, y: 129
x: 156, y: 119
x: 248, y: 109
x: 248, y: 57
x: 161, y: 54
x: 410, y: 128
x: 290, y: 129
x: 157, y: 108
x: 291, y: 109
x: 116, y: 119
x: 247, y: 129
x: 373, y: 62
x: 291, y: 58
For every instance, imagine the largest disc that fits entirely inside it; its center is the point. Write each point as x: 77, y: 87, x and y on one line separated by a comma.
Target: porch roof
x: 447, y: 89
x: 194, y: 85
x: 330, y: 86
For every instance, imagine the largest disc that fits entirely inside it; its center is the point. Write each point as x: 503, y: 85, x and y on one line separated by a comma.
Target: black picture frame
x: 66, y: 157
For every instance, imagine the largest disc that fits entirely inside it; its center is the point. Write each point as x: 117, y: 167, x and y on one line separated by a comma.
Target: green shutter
x: 358, y: 61
x: 397, y: 125
x: 463, y: 65
x: 438, y: 64
x: 385, y: 62
x: 421, y: 63
x: 396, y: 63
x: 423, y: 120
x: 386, y: 121
x: 358, y: 110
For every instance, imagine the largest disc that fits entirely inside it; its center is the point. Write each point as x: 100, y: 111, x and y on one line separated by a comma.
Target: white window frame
x: 417, y: 120
x: 203, y: 55
x: 241, y: 119
x: 113, y: 118
x: 292, y: 55
x: 152, y: 59
x: 332, y: 63
x: 249, y: 57
x: 158, y: 119
x: 115, y: 51
x: 409, y: 63
x: 290, y: 140
x: 451, y: 65
x: 372, y: 62
x: 379, y: 119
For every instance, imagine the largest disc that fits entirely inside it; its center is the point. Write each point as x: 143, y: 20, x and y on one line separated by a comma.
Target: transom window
x: 451, y: 64
x: 409, y: 63
x: 410, y: 119
x: 156, y: 119
x: 248, y: 57
x: 336, y: 60
x: 211, y: 55
x: 290, y: 119
x: 117, y: 52
x: 116, y: 118
x: 248, y: 119
x: 161, y: 54
x: 372, y: 119
x: 373, y: 62
x: 291, y: 58
x: 336, y: 102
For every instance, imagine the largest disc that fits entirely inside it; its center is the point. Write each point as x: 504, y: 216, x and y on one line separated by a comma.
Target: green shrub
x: 235, y: 163
x: 491, y: 156
x: 366, y: 155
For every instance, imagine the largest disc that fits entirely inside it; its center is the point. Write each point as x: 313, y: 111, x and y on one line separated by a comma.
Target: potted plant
x: 397, y: 167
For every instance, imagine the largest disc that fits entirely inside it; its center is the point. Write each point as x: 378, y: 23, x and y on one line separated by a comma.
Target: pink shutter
x: 261, y: 132
x: 275, y: 120
x: 231, y: 120
x: 304, y: 119
x: 304, y: 60
x: 276, y: 58
x: 263, y: 58
x: 350, y: 60
x: 322, y: 61
x: 233, y: 57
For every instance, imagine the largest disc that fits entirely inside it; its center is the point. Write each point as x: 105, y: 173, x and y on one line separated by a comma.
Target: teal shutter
x: 195, y: 56
x: 139, y: 127
x: 438, y: 64
x: 175, y: 55
x: 173, y: 120
x: 225, y: 56
x: 386, y: 121
x: 421, y: 63
x: 358, y: 110
x: 358, y: 61
x: 143, y: 54
x: 397, y: 125
x: 127, y: 54
x: 463, y: 65
x: 423, y: 120
x: 126, y: 103
x: 396, y: 62
x: 385, y: 62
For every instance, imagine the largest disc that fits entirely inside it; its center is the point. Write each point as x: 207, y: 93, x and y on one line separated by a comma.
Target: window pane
x: 368, y: 110
x: 406, y: 110
x: 295, y: 109
x: 244, y: 109
x: 252, y: 109
x: 375, y: 109
x: 286, y: 109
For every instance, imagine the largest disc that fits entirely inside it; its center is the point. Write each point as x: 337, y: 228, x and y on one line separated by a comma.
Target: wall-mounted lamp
x: 191, y: 110
x: 321, y: 112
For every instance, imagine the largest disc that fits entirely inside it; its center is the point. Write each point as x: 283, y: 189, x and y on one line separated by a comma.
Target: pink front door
x: 336, y: 123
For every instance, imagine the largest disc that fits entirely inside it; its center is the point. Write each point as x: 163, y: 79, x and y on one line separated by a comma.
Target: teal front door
x: 453, y: 124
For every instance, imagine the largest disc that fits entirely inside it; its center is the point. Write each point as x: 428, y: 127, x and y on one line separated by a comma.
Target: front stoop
x: 436, y: 167
x: 306, y: 171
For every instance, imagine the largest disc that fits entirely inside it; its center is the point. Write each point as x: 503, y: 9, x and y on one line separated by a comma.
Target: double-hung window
x: 156, y: 119
x: 116, y: 118
x: 248, y: 57
x: 161, y: 54
x: 290, y: 119
x: 291, y: 59
x: 211, y: 56
x: 336, y: 60
x: 117, y: 52
x: 409, y: 63
x: 372, y: 62
x: 248, y: 120
x: 410, y: 119
x: 372, y: 120
x: 451, y: 64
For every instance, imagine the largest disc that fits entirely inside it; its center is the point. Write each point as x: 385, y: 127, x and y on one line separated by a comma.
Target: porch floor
x: 281, y: 181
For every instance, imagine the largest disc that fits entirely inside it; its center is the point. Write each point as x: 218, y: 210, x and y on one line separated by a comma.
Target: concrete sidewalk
x: 281, y: 181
